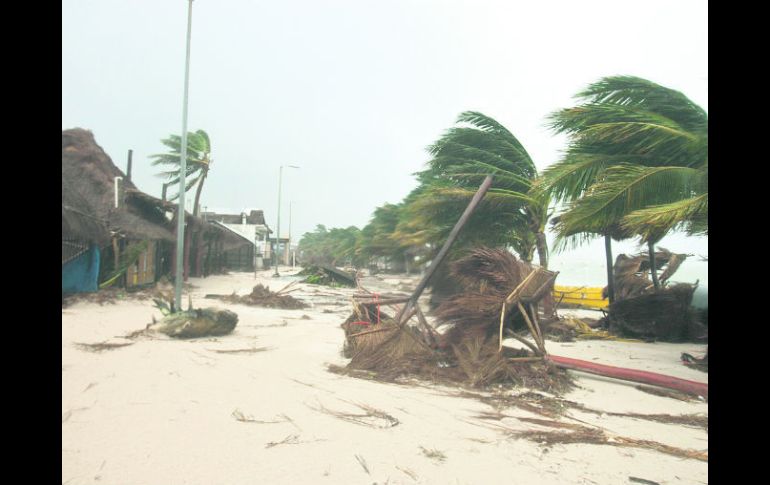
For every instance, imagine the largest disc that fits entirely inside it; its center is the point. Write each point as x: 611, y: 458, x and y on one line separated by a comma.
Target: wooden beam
x: 483, y: 188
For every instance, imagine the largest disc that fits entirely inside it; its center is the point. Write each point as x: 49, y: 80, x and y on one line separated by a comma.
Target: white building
x: 252, y: 227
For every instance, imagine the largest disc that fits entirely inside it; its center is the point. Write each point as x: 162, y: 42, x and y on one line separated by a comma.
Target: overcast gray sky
x: 353, y: 91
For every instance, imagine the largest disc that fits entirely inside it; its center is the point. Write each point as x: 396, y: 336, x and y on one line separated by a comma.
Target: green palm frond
x: 648, y: 96
x: 484, y: 122
x: 570, y: 178
x: 651, y: 222
x: 505, y: 149
x: 198, y: 160
x: 188, y: 185
x: 624, y: 189
x: 573, y: 241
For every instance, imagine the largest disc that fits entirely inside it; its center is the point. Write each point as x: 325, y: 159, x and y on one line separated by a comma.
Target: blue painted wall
x: 82, y: 273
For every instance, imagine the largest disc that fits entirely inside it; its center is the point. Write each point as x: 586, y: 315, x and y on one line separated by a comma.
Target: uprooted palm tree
x: 636, y: 165
x: 461, y: 159
x: 198, y: 162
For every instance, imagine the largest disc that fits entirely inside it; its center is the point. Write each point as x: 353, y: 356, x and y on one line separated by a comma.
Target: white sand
x: 161, y: 411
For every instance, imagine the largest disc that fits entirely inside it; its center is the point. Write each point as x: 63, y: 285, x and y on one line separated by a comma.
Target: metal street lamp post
x: 179, y: 277
x: 278, y: 225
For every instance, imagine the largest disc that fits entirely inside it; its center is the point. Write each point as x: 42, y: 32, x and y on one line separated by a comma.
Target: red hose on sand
x: 689, y: 387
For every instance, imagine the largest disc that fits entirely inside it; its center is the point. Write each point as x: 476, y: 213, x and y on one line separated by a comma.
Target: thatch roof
x: 78, y: 221
x: 88, y: 171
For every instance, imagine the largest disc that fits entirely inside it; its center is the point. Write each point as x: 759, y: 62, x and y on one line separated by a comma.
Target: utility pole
x: 179, y: 278
x: 278, y: 228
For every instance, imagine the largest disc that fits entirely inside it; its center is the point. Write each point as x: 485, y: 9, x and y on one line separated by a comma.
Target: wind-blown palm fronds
x: 689, y: 214
x: 633, y: 145
x: 627, y: 188
x: 461, y: 158
x: 197, y: 165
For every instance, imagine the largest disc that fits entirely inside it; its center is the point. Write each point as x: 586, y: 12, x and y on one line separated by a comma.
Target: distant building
x: 251, y: 227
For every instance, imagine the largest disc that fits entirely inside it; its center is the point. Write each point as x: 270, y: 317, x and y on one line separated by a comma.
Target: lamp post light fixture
x: 179, y: 277
x: 278, y: 225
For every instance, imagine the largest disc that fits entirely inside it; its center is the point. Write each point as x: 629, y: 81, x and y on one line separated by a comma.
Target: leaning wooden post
x: 405, y: 311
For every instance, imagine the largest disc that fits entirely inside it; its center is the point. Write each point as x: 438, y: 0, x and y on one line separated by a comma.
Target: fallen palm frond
x: 101, y: 346
x: 292, y: 439
x: 262, y: 296
x: 238, y: 414
x: 241, y: 351
x: 493, y: 416
x: 551, y: 423
x: 693, y: 420
x: 554, y: 407
x: 434, y: 454
x: 328, y: 276
x: 371, y: 417
x: 362, y: 462
x: 642, y: 480
x: 408, y: 472
x: 584, y: 434
x: 68, y: 414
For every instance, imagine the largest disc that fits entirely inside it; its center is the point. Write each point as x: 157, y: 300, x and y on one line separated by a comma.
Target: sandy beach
x: 258, y: 406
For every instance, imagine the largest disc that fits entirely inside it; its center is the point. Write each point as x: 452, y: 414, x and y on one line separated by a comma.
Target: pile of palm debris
x: 631, y: 274
x: 487, y: 277
x: 328, y: 276
x: 666, y: 315
x: 113, y: 295
x: 391, y: 353
x: 262, y: 296
x: 468, y: 353
x: 641, y: 311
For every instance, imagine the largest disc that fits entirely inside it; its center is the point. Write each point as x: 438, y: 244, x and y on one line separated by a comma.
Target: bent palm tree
x: 198, y: 162
x: 637, y: 163
x: 462, y: 157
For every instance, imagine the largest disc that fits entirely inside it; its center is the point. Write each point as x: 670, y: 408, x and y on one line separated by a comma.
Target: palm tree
x: 377, y: 237
x: 330, y: 246
x: 198, y: 162
x: 461, y: 159
x: 636, y: 165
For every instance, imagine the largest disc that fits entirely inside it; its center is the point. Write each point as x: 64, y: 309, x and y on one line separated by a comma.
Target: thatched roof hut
x: 90, y: 173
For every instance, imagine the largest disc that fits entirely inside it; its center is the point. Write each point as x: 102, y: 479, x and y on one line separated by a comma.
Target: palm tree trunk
x: 542, y: 254
x: 653, y: 271
x: 542, y: 249
x: 207, y: 263
x: 199, y: 243
x: 196, y: 207
x: 610, y: 270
